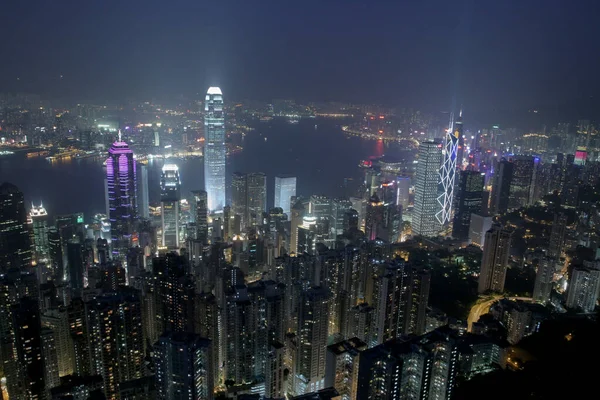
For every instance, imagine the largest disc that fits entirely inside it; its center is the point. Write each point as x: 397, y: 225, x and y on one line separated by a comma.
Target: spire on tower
x: 120, y: 135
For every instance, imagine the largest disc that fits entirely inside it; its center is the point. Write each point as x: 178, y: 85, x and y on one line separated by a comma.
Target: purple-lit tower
x: 121, y: 196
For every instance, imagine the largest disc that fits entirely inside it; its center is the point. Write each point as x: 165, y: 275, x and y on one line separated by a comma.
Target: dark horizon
x: 489, y: 58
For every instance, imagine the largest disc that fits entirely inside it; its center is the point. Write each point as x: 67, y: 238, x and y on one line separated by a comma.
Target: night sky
x: 486, y: 55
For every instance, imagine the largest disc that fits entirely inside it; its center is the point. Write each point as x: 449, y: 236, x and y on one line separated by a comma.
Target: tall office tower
x: 121, y: 194
x: 360, y: 205
x: 557, y: 236
x: 522, y: 182
x: 183, y: 367
x: 319, y: 206
x: 57, y: 319
x: 374, y: 220
x: 469, y: 200
x: 170, y: 195
x: 76, y: 266
x: 214, y: 149
x: 495, y: 259
x: 256, y: 197
x: 200, y: 213
x: 417, y: 281
x: 313, y: 320
x: 424, y: 221
x: 296, y: 223
x: 50, y: 357
x: 339, y: 207
x: 460, y: 149
x: 543, y: 281
x: 39, y: 220
x: 341, y: 367
x: 423, y: 367
x: 117, y: 338
x: 238, y: 345
x: 28, y: 343
x: 55, y: 248
x: 173, y: 294
x: 143, y: 196
x: 478, y: 227
x: 584, y: 287
x: 503, y: 176
x: 249, y: 197
x: 15, y: 242
x: 448, y: 172
x: 403, y: 191
x: 285, y: 189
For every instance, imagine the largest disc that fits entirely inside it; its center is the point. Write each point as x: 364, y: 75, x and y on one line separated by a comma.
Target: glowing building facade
x: 121, y: 196
x: 170, y: 195
x: 39, y: 220
x: 285, y: 189
x: 214, y: 149
x: 448, y: 170
x: 424, y: 221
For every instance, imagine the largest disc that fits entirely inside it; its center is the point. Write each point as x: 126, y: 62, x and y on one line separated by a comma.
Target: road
x: 482, y: 308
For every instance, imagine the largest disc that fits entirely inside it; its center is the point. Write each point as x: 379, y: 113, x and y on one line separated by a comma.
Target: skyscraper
x: 249, y: 197
x: 121, y: 196
x: 214, y: 149
x: 469, y: 200
x: 448, y: 172
x: 15, y: 243
x: 503, y: 176
x: 143, y: 196
x: 543, y: 280
x: 557, y: 236
x: 403, y: 188
x: 285, y: 189
x: 424, y: 221
x: 39, y: 220
x: 200, y: 213
x: 183, y: 367
x: 374, y: 219
x: 170, y: 195
x: 495, y: 259
x: 522, y: 182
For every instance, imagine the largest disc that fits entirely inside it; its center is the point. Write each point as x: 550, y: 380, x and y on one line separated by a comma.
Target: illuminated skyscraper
x: 469, y: 200
x: 143, y: 196
x: 15, y: 243
x: 584, y: 285
x: 522, y: 182
x: 503, y: 176
x: 448, y: 171
x: 200, y: 213
x: 285, y: 189
x: 121, y: 196
x: 39, y: 220
x: 424, y: 221
x: 249, y: 197
x: 170, y: 195
x: 214, y: 149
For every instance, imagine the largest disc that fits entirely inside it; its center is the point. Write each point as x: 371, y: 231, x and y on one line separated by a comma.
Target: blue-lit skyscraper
x: 285, y: 189
x: 214, y: 149
x: 121, y: 196
x: 170, y: 195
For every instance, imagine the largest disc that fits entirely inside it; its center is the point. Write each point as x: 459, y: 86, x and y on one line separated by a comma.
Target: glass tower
x: 170, y: 195
x: 424, y: 221
x: 121, y: 196
x: 285, y: 189
x: 214, y: 149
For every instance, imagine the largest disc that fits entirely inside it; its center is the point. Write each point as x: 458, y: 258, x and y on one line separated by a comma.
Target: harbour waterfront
x: 315, y: 150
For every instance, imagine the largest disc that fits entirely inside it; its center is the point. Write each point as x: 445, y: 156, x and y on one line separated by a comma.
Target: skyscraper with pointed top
x: 448, y: 169
x: 121, y: 196
x: 214, y: 149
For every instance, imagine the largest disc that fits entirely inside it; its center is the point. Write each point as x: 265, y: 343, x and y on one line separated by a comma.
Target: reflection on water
x: 320, y: 158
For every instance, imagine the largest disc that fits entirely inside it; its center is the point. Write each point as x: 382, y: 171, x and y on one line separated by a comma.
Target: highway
x: 483, y: 307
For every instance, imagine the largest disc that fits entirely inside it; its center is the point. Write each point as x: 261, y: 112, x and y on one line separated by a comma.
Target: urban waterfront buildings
x: 424, y: 221
x: 214, y: 149
x: 121, y: 195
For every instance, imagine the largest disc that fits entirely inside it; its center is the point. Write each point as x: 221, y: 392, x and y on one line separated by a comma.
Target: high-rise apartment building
x: 342, y: 365
x: 183, y: 367
x: 543, y: 280
x: 121, y: 195
x: 424, y: 221
x: 214, y: 149
x: 170, y: 195
x: 15, y: 244
x: 200, y: 214
x: 285, y: 189
x: 494, y: 262
x: 523, y: 179
x: 557, y: 236
x: 469, y: 200
x: 584, y: 287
